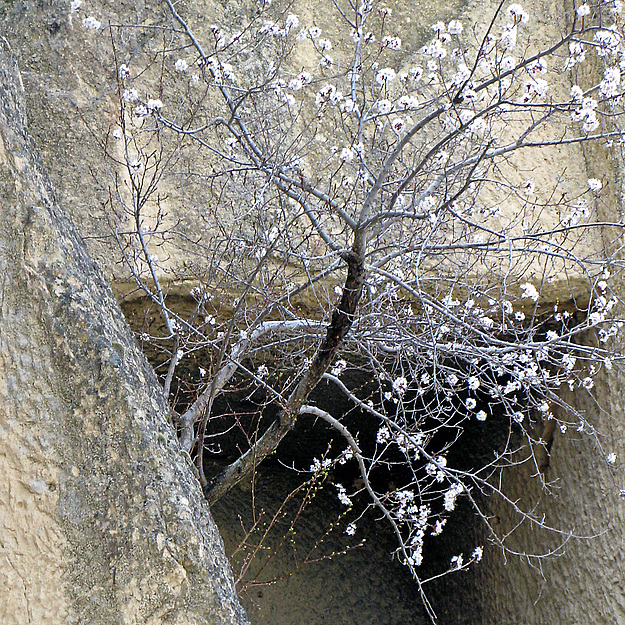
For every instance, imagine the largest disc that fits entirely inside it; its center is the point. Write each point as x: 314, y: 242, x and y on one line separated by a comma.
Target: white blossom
x: 477, y: 554
x: 435, y: 49
x: 347, y: 155
x: 517, y: 13
x: 408, y: 102
x: 594, y: 184
x: 577, y: 94
x: 609, y: 42
x: 400, y: 385
x: 457, y: 562
x: 319, y: 465
x: 451, y: 495
x: 416, y: 73
x: 181, y: 66
x: 130, y: 95
x: 454, y: 27
x: 339, y: 367
x: 535, y: 88
x: 577, y: 55
x: 383, y: 435
x: 398, y: 125
x: 91, y: 23
x: 529, y: 291
x: 154, y: 105
x: 385, y: 107
x: 291, y: 22
x: 392, y: 43
x: 342, y: 495
x: 508, y: 37
x: 385, y: 76
x: 569, y: 362
x: 324, y: 45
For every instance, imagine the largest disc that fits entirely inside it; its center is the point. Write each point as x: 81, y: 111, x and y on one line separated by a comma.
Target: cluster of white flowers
x: 534, y: 88
x: 339, y: 367
x: 408, y: 103
x: 518, y: 14
x: 154, y: 105
x: 130, y: 95
x: 577, y: 55
x: 320, y: 465
x: 328, y: 93
x: 91, y: 23
x: 609, y: 42
x: 383, y: 436
x: 400, y: 385
x: 586, y: 113
x: 309, y: 33
x: 219, y: 71
x: 181, y: 66
x: 529, y: 291
x: 594, y: 184
x: 342, y: 495
x: 392, y: 43
x: 437, y: 469
x: 347, y: 155
x: 609, y: 86
x: 451, y: 494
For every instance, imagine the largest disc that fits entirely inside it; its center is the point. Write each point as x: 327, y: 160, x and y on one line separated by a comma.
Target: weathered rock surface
x: 101, y: 517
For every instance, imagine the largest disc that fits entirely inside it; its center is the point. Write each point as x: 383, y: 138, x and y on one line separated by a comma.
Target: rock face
x: 101, y: 517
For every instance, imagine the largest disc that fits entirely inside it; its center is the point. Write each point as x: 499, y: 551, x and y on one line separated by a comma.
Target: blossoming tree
x: 377, y: 206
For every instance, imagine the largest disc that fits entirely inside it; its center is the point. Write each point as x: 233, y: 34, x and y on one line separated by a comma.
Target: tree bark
x: 338, y: 328
x: 101, y: 517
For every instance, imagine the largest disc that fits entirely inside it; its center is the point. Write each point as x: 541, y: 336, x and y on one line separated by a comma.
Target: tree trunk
x: 101, y: 517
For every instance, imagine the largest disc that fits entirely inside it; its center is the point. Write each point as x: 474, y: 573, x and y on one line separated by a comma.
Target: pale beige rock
x: 101, y: 517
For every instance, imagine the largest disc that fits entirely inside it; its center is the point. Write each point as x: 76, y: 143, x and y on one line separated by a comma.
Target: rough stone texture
x: 101, y: 517
x: 584, y: 584
x: 70, y: 77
